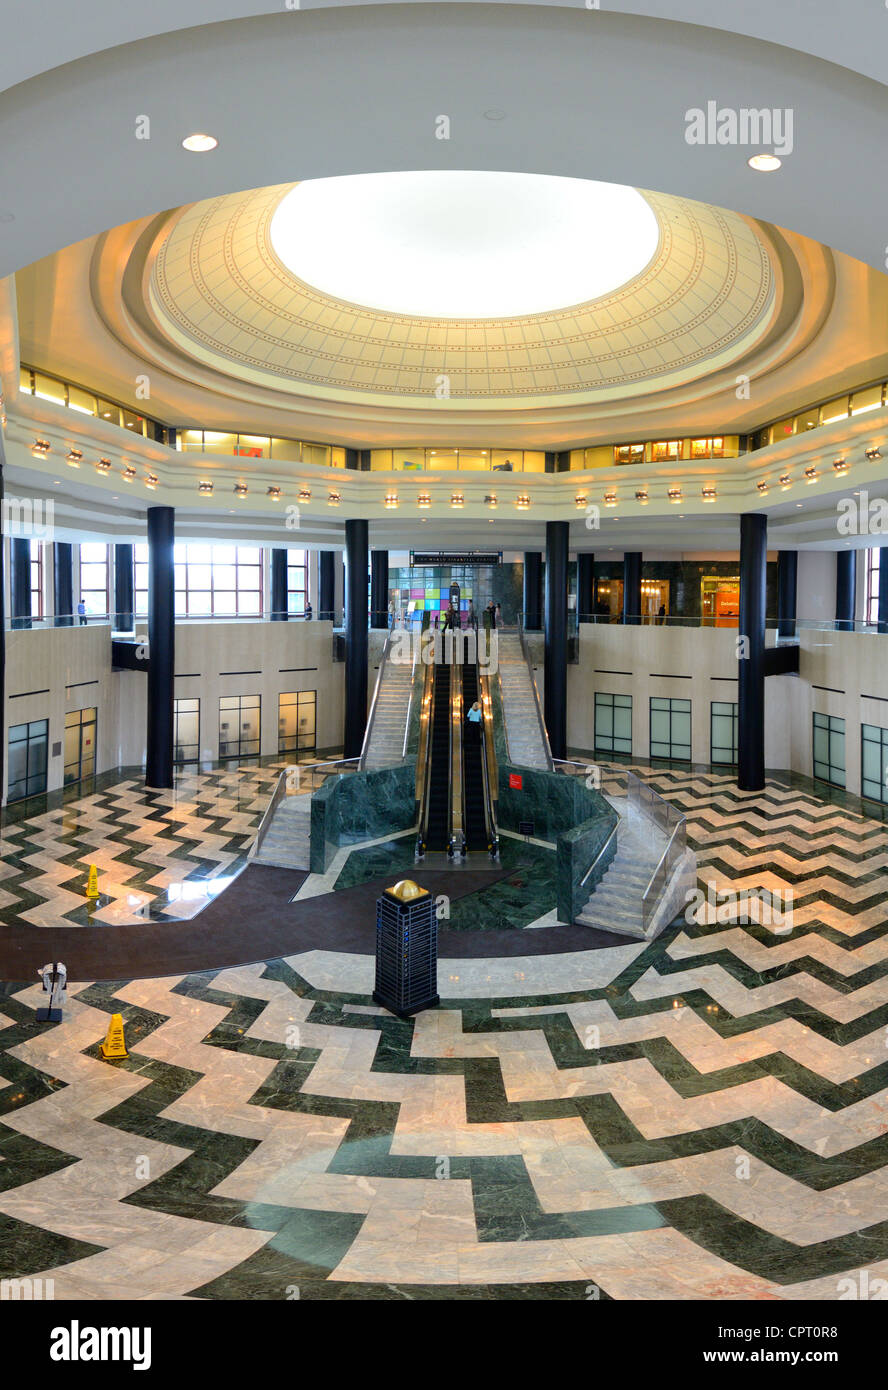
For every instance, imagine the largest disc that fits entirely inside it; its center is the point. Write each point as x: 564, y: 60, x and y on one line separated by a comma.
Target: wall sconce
x: 490, y: 500
x: 390, y: 500
x: 240, y: 489
x: 641, y: 495
x: 522, y: 502
x: 333, y: 499
x: 762, y: 487
x: 103, y: 466
x: 610, y: 499
x: 709, y: 493
x: 424, y: 501
x: 304, y: 494
x: 74, y: 457
x: 40, y: 448
x: 840, y: 465
x: 785, y: 479
x: 674, y: 494
x: 205, y: 488
x: 274, y: 494
x: 810, y: 475
x: 457, y: 500
x: 151, y: 480
x: 581, y: 501
x: 873, y: 454
x: 128, y: 473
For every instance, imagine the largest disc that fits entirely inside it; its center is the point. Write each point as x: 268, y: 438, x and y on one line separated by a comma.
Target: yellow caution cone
x: 92, y: 883
x: 114, y: 1045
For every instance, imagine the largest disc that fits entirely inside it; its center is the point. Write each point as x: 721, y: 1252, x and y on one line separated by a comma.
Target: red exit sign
x: 516, y: 781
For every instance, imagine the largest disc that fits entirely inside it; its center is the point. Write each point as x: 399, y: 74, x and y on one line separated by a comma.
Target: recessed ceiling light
x: 199, y: 143
x: 494, y: 113
x: 764, y: 163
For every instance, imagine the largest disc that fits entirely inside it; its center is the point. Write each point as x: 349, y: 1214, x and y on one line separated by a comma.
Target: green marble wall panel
x: 357, y: 806
x: 576, y: 850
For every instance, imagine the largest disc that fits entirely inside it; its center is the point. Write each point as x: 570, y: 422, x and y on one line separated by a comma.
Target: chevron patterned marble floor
x: 703, y: 1117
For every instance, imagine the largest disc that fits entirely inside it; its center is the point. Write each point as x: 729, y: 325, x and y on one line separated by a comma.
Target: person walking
x: 308, y: 612
x: 473, y: 720
x: 81, y: 613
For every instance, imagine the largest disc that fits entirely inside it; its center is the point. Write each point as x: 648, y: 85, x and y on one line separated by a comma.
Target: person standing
x: 81, y: 613
x: 498, y: 615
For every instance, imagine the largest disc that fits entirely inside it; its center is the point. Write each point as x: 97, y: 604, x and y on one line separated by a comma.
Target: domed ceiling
x: 356, y: 289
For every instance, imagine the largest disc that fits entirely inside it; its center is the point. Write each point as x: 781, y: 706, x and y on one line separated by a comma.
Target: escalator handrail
x: 424, y: 755
x: 456, y: 830
x: 489, y: 818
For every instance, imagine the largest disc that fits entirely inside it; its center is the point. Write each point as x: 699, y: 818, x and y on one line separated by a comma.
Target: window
x: 218, y: 581
x: 140, y: 578
x: 239, y: 717
x: 665, y: 450
x: 629, y: 453
x: 723, y: 733
x: 874, y: 762
x: 708, y: 448
x: 186, y: 731
x: 36, y: 579
x: 28, y: 744
x: 80, y: 744
x: 297, y: 581
x: 613, y: 723
x: 829, y: 749
x: 296, y: 721
x: 670, y: 728
x: 872, y: 586
x: 94, y: 579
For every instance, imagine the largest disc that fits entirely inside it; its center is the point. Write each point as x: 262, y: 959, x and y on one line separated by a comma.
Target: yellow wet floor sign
x: 114, y: 1045
x: 92, y: 883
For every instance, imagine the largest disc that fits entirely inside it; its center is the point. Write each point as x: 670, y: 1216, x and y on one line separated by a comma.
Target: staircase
x: 616, y: 903
x: 287, y: 839
x: 385, y: 746
x: 527, y: 746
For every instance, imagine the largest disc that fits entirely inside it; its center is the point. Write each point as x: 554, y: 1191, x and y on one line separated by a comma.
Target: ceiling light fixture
x: 762, y: 486
x: 457, y: 500
x: 764, y: 163
x: 103, y: 465
x: 674, y: 494
x: 840, y: 465
x: 810, y: 475
x: 274, y: 493
x: 74, y: 457
x: 390, y: 500
x: 128, y: 473
x: 490, y: 499
x: 709, y: 493
x: 199, y: 143
x: 873, y: 454
x: 151, y: 480
x: 641, y: 495
x: 581, y: 501
x: 304, y: 494
x: 333, y: 498
x: 610, y: 498
x: 240, y: 489
x: 424, y: 501
x: 785, y: 479
x: 522, y: 502
x: 40, y: 448
x: 205, y: 487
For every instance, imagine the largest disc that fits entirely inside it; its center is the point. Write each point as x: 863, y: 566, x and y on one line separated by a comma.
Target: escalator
x: 474, y: 790
x: 437, y: 827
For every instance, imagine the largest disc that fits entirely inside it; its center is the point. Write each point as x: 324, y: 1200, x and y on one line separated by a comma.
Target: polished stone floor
x: 700, y: 1117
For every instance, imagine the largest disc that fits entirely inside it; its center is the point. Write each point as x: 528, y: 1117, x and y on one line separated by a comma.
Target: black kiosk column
x: 123, y: 588
x: 326, y: 585
x: 751, y: 656
x: 355, y: 636
x: 555, y: 684
x: 787, y: 591
x: 585, y: 586
x: 846, y: 562
x: 279, y: 605
x: 63, y: 583
x: 161, y: 645
x: 632, y: 587
x: 533, y: 591
x: 379, y: 588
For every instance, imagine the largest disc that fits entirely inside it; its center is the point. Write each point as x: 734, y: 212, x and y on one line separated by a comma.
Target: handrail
x: 536, y: 695
x: 368, y: 730
x: 489, y: 770
x: 424, y: 752
x: 267, y: 815
x: 675, y: 848
x: 614, y: 835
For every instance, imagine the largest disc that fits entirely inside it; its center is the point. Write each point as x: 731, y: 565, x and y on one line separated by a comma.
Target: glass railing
x: 126, y: 626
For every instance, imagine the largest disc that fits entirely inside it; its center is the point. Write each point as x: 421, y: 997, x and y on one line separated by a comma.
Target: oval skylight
x: 464, y: 244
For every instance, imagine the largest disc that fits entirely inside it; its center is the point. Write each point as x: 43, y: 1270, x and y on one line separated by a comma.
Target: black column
x: 632, y: 586
x: 846, y: 561
x: 355, y: 636
x: 278, y: 585
x: 787, y: 592
x: 379, y: 588
x: 533, y: 590
x: 751, y: 656
x: 161, y: 646
x: 555, y: 685
x: 123, y: 588
x: 63, y: 583
x: 20, y: 583
x: 883, y: 589
x: 585, y: 586
x: 326, y: 585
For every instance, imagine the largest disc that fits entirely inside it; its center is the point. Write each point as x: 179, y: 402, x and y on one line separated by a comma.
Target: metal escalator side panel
x: 424, y: 752
x: 457, y: 836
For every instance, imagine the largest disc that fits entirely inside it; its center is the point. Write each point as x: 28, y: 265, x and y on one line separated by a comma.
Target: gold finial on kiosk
x: 405, y: 890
